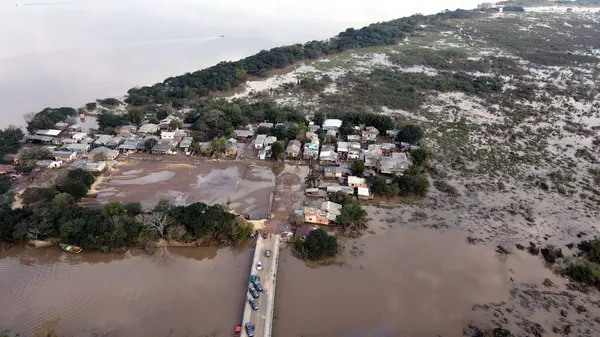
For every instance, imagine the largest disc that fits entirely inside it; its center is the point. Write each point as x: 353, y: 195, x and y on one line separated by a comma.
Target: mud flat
x: 246, y: 187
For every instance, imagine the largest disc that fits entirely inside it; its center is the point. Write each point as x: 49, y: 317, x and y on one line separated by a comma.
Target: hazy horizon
x: 66, y: 53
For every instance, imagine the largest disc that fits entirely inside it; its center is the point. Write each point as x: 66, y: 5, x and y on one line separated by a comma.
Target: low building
x: 364, y: 193
x: 79, y: 136
x: 186, y: 143
x: 167, y: 135
x: 309, y: 154
x: 179, y: 135
x: 127, y: 129
x: 332, y: 124
x: 95, y: 167
x: 332, y: 209
x: 343, y: 147
x: 311, y: 135
x: 149, y: 128
x: 64, y: 156
x: 129, y: 145
x: 82, y: 148
x: 165, y: 146
x: 270, y: 140
x: 48, y: 164
x: 109, y: 154
x: 391, y: 133
x: 316, y: 216
x: 340, y: 188
x: 357, y: 182
x: 61, y: 125
x: 333, y: 172
x: 353, y: 138
x: 265, y: 125
x: 293, y: 149
x: 7, y: 169
x: 328, y: 154
x: 395, y: 164
x: 49, y: 133
x: 243, y: 135
x: 264, y: 153
x: 102, y: 140
x: 259, y: 141
x: 370, y: 134
x: 231, y: 150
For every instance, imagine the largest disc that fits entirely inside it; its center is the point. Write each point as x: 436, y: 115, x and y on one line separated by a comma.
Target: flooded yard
x: 246, y: 187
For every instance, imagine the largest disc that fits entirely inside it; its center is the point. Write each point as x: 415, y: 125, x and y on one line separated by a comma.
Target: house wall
x: 357, y: 185
x: 313, y: 218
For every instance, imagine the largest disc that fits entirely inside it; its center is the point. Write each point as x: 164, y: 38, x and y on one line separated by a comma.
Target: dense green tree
x: 10, y: 141
x: 340, y: 198
x: 133, y: 208
x: 277, y: 150
x: 135, y: 116
x: 263, y: 130
x: 6, y: 183
x: 109, y: 130
x: 87, y: 177
x: 241, y: 231
x: 33, y: 195
x: 106, y: 119
x: 35, y: 153
x: 76, y: 188
x: 47, y: 118
x: 63, y: 200
x: 317, y: 245
x: 419, y: 156
x: 163, y: 206
x: 91, y: 106
x: 113, y: 209
x: 175, y: 124
x: 410, y: 133
x: 413, y: 182
x: 311, y: 180
x: 280, y: 131
x: 319, y: 118
x: 162, y: 114
x: 352, y: 216
x: 358, y: 168
x: 150, y: 143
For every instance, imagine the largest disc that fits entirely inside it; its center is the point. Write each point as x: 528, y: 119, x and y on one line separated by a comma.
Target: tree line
x: 52, y: 212
x: 226, y: 75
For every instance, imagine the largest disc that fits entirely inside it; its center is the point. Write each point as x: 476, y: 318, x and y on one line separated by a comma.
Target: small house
x: 270, y: 140
x: 357, y: 182
x: 64, y: 156
x: 186, y: 143
x: 309, y: 153
x: 127, y: 129
x: 316, y: 216
x: 129, y: 145
x: 340, y: 188
x: 265, y: 125
x: 264, y: 153
x: 231, y: 150
x: 102, y: 140
x: 79, y: 136
x: 164, y: 146
x: 391, y: 133
x: 343, y: 147
x: 311, y: 135
x: 370, y: 134
x: 259, y: 141
x: 167, y: 135
x: 353, y: 138
x: 108, y: 154
x: 243, y: 135
x: 332, y: 209
x: 293, y: 149
x: 82, y: 148
x: 149, y: 128
x: 332, y: 124
x: 179, y: 135
x: 364, y: 193
x: 61, y: 125
x: 48, y: 164
x: 333, y: 172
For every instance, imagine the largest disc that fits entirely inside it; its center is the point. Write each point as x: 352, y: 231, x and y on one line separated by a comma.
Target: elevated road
x: 263, y: 317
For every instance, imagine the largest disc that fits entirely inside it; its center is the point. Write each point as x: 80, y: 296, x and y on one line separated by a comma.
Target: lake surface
x: 396, y: 282
x: 69, y: 52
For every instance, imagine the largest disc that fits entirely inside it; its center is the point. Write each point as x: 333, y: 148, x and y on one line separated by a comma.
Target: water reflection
x: 119, y: 44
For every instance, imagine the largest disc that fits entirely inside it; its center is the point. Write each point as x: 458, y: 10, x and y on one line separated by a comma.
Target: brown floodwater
x: 396, y: 282
x: 171, y: 293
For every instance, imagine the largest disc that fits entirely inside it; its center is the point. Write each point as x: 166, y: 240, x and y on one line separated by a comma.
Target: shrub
x: 318, y: 245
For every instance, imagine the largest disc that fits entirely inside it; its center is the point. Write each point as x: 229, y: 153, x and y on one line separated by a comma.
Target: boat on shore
x: 70, y: 248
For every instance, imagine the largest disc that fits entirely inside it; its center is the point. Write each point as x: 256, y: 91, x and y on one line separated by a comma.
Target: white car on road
x: 259, y: 265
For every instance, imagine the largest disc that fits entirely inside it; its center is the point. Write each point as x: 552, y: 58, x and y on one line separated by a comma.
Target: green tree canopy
x: 358, y: 168
x: 175, y: 124
x: 277, y: 150
x: 410, y: 133
x: 352, y: 216
x: 113, y: 209
x: 318, y: 245
x: 63, y: 200
x: 135, y: 116
x: 319, y: 118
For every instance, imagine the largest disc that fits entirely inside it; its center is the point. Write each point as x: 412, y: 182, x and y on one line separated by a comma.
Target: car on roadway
x: 257, y: 286
x: 253, y: 292
x: 265, y: 234
x: 238, y: 331
x: 253, y: 278
x: 250, y: 329
x: 253, y: 304
x: 259, y: 265
x: 268, y: 253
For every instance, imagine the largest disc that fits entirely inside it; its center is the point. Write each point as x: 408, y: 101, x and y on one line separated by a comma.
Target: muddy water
x: 170, y: 293
x: 244, y: 186
x: 397, y: 283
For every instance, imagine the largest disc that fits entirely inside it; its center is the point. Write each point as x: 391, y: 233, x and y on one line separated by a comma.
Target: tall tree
x: 135, y: 116
x: 277, y: 150
x: 411, y: 134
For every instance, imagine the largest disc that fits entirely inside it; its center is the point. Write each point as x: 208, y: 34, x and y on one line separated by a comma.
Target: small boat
x: 71, y: 248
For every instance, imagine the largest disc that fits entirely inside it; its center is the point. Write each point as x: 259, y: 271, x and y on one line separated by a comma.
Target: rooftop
x: 50, y: 133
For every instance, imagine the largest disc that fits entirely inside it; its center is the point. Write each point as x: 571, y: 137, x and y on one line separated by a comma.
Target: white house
x: 79, y: 136
x: 270, y: 140
x: 332, y: 124
x: 259, y: 141
x: 167, y: 135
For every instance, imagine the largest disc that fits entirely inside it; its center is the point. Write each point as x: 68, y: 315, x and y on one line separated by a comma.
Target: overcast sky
x: 55, y: 52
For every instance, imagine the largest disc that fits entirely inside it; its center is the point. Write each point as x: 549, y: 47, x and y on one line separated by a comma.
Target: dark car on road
x: 253, y: 304
x: 250, y: 329
x: 257, y: 286
x: 253, y: 292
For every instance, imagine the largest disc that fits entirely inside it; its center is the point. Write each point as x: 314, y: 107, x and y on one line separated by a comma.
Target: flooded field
x: 170, y: 293
x: 397, y: 282
x: 247, y: 187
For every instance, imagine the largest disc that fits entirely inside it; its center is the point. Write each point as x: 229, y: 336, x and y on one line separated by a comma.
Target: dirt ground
x: 245, y: 186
